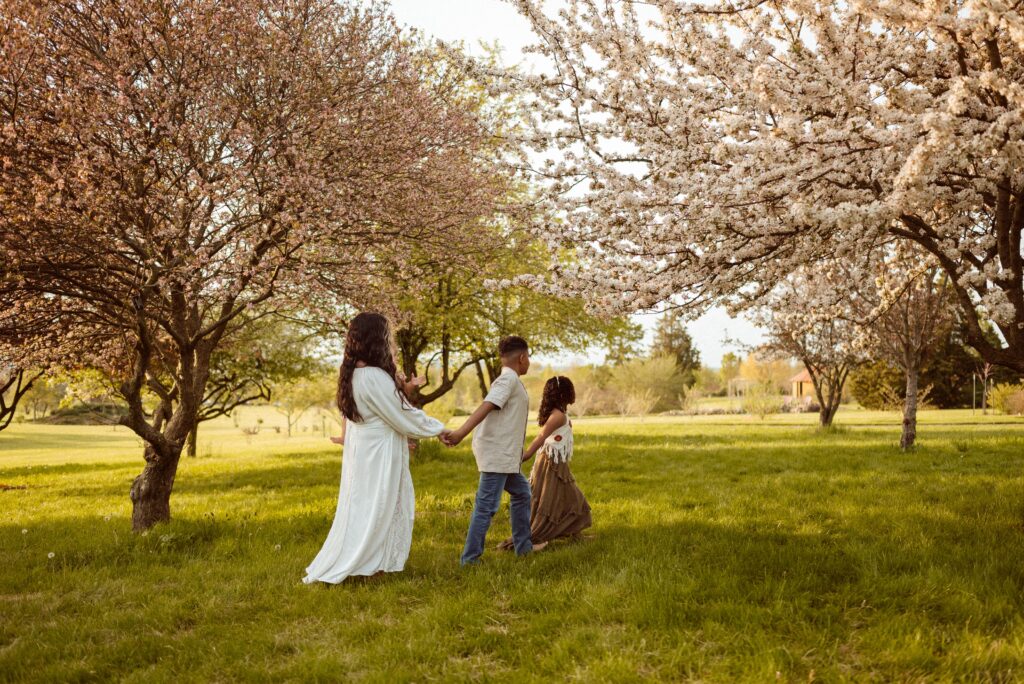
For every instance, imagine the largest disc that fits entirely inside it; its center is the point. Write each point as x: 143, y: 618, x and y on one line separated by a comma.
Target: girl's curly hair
x: 368, y: 340
x: 558, y: 394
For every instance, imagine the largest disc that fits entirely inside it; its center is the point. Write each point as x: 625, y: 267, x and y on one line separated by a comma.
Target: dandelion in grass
x: 24, y: 531
x: 277, y: 547
x: 51, y: 555
x: 106, y: 517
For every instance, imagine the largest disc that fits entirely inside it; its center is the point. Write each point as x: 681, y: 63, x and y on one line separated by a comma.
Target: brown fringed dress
x: 557, y: 508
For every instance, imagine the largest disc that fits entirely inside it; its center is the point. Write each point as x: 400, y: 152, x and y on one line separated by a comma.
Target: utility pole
x: 974, y: 391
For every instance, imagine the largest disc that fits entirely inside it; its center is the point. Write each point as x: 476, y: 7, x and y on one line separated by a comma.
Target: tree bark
x: 480, y: 378
x: 828, y: 390
x: 12, y: 389
x: 151, y: 490
x: 827, y: 413
x: 193, y: 438
x: 910, y: 412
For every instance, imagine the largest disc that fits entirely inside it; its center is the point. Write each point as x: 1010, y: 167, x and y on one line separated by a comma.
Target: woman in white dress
x: 372, y: 529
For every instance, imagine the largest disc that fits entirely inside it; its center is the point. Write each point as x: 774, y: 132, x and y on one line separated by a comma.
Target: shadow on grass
x: 62, y: 442
x: 71, y: 468
x: 734, y: 591
x: 751, y: 553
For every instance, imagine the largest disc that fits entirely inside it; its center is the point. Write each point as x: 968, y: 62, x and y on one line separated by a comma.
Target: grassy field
x: 724, y: 549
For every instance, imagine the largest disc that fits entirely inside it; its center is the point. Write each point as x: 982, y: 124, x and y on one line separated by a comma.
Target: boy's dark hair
x: 511, y: 345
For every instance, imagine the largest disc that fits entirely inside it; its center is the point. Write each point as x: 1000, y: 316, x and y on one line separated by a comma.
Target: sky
x: 490, y: 21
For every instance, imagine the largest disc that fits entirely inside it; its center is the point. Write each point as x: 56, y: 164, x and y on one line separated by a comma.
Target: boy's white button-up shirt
x: 498, y: 440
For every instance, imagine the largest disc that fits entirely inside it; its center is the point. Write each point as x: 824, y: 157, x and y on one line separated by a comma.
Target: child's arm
x: 475, y: 419
x: 495, y: 400
x: 344, y: 425
x: 555, y: 420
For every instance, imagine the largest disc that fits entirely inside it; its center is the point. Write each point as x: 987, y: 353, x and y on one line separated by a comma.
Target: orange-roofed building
x: 802, y: 385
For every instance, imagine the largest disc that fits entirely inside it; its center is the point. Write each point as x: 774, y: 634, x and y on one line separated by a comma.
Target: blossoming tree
x: 168, y: 167
x: 810, y: 317
x: 705, y: 150
x: 905, y: 311
x: 14, y: 384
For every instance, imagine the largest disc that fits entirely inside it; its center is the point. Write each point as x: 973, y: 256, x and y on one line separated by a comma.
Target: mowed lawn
x: 724, y: 549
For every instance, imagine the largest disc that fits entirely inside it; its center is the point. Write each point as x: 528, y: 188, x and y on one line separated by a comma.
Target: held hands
x: 450, y: 438
x: 526, y: 457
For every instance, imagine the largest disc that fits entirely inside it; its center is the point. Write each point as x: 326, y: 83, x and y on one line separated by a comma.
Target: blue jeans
x: 488, y: 498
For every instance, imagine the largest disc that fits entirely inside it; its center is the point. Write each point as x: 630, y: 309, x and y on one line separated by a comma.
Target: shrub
x: 639, y: 402
x: 588, y: 400
x: 688, y: 401
x: 642, y: 380
x: 1007, y: 398
x: 762, y: 400
x: 893, y: 400
x: 871, y: 384
x: 91, y: 413
x: 794, y: 405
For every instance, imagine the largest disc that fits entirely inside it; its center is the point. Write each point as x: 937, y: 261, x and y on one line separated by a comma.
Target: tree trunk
x: 480, y: 378
x: 193, y: 438
x: 824, y: 392
x: 493, y: 368
x: 151, y: 490
x: 910, y: 412
x: 827, y: 413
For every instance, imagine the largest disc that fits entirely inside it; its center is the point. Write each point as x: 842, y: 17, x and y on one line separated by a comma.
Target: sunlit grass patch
x: 720, y: 552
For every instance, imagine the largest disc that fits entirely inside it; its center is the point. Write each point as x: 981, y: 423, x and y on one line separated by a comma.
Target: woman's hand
x: 339, y: 440
x: 526, y: 457
x: 409, y: 385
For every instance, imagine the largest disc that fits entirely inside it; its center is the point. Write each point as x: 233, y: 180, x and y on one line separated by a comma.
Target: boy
x: 498, y: 448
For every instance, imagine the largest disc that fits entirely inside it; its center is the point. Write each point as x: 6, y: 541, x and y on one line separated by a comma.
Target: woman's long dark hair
x: 368, y: 340
x: 558, y: 394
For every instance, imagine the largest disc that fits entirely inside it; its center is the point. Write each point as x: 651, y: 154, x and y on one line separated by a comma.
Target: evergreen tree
x: 672, y: 339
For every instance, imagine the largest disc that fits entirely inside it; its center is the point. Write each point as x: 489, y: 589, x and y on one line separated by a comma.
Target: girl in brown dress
x: 557, y: 507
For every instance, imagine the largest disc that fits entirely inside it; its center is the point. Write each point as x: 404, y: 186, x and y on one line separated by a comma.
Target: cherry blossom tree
x: 894, y: 305
x: 906, y: 312
x: 706, y: 150
x: 809, y: 317
x: 30, y: 319
x: 14, y: 385
x: 168, y: 167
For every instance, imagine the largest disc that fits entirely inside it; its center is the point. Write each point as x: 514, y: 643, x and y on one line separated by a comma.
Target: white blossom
x: 712, y: 149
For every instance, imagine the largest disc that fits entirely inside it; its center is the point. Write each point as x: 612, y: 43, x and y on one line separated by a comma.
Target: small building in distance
x: 803, y: 388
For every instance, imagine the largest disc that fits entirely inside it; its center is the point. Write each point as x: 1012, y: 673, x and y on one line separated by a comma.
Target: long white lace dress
x: 372, y: 528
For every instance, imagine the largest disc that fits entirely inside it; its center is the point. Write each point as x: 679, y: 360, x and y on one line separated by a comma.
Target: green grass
x: 725, y: 549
